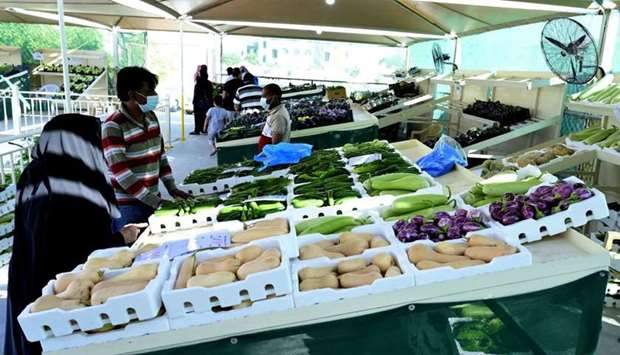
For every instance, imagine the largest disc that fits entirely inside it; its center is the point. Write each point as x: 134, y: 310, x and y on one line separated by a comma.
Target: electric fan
x: 570, y: 51
x: 440, y: 58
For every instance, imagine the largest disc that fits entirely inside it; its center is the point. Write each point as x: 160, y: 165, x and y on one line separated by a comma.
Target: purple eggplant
x: 430, y: 229
x: 475, y: 214
x: 583, y: 193
x: 400, y: 224
x: 417, y: 220
x: 460, y: 213
x: 528, y: 211
x: 509, y: 196
x: 454, y: 232
x: 542, y: 190
x: 510, y: 219
x: 444, y: 222
x: 471, y: 227
x: 563, y: 191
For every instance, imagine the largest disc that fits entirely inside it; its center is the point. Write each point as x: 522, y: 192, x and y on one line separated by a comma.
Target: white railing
x: 14, y: 156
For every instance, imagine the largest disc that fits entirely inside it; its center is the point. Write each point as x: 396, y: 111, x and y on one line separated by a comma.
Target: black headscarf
x: 64, y: 210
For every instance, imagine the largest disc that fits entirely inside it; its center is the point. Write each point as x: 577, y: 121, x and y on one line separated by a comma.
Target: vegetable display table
x: 363, y: 128
x: 552, y: 306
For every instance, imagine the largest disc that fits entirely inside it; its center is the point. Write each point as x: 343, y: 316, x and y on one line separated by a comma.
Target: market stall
x: 554, y: 274
x: 362, y: 128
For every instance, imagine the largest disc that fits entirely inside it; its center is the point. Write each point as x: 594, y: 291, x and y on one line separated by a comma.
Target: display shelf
x: 509, y: 81
x: 408, y: 108
x: 555, y: 261
x: 593, y: 108
x: 561, y: 163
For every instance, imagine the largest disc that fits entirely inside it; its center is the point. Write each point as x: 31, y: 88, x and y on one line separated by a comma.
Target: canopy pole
x: 63, y: 50
x: 607, y: 40
x: 115, y: 47
x: 182, y: 83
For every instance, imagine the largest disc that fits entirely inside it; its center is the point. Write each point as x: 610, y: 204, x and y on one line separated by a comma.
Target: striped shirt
x: 136, y: 158
x: 248, y: 96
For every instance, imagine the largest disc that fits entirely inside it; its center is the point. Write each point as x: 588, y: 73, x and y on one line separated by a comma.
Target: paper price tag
x: 154, y: 254
x: 364, y: 159
x: 215, y: 239
x: 175, y: 248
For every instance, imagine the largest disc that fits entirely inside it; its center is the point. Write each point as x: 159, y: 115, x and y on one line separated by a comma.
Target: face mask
x: 151, y: 103
x: 263, y: 103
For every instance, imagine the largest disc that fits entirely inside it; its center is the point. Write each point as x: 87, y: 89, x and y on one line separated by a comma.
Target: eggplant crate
x: 202, y: 303
x: 8, y: 193
x: 578, y: 214
x: 118, y: 310
x: 379, y: 229
x: 312, y: 297
x: 445, y: 273
x: 131, y: 330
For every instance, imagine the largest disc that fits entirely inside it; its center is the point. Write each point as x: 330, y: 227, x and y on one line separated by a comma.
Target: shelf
x: 492, y: 80
x: 447, y: 79
x: 593, y: 108
x: 407, y: 109
x: 608, y: 157
x: 49, y: 73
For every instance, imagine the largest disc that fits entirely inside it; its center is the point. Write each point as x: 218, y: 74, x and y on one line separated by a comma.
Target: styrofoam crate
x: 312, y: 297
x: 379, y: 229
x: 255, y: 287
x: 577, y: 215
x: 161, y: 224
x: 440, y: 274
x: 276, y: 304
x: 578, y: 145
x: 141, y: 305
x: 8, y: 193
x: 219, y: 186
x: 131, y: 330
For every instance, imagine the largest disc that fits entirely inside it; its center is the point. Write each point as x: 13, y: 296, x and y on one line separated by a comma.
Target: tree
x: 231, y: 59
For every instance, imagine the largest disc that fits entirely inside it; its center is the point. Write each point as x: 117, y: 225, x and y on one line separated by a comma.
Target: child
x: 216, y: 120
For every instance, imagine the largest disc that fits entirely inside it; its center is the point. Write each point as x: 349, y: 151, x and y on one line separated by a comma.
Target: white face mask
x: 263, y: 103
x: 151, y: 103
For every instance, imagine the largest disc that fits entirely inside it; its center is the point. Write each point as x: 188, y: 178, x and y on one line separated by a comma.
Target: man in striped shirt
x: 248, y: 96
x: 134, y: 148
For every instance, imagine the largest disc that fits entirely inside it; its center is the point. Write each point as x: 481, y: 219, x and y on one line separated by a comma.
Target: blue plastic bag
x: 441, y: 160
x: 283, y: 153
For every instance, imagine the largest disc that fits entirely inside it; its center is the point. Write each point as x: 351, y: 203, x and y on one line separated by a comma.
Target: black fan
x: 440, y: 58
x: 570, y: 51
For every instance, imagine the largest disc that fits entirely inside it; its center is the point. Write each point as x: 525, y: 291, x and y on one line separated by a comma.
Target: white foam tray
x: 379, y: 229
x: 281, y: 303
x: 577, y: 215
x: 8, y: 193
x: 131, y: 330
x: 201, y: 300
x: 520, y: 259
x: 141, y: 305
x: 219, y: 186
x: 161, y: 224
x: 308, y: 298
x: 579, y: 145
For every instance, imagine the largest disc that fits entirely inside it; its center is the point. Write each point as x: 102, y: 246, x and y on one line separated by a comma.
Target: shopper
x: 134, y: 148
x: 203, y: 98
x: 64, y: 210
x: 229, y: 73
x: 278, y: 124
x: 217, y: 117
x: 248, y: 96
x: 230, y: 89
x: 247, y: 76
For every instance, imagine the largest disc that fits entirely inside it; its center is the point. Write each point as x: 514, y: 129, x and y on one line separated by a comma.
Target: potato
x: 450, y: 248
x: 378, y: 242
x: 249, y: 253
x: 209, y: 267
x: 327, y: 281
x: 48, y: 302
x: 393, y: 271
x: 349, y: 248
x: 383, y: 261
x: 351, y: 265
x: 482, y: 241
x: 212, y: 280
x: 258, y: 265
x: 421, y: 252
x: 312, y: 251
x: 186, y: 271
x: 353, y: 279
x: 314, y: 272
x: 488, y: 253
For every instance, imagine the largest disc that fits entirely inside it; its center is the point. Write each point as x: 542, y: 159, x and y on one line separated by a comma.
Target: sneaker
x: 194, y: 133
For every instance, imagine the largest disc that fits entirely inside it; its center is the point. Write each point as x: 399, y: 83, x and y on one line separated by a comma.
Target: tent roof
x: 398, y: 20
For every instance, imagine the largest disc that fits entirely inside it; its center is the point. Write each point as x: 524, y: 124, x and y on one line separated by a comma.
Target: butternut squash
x: 48, y: 302
x: 488, y: 253
x: 383, y: 261
x: 421, y: 252
x: 185, y: 272
x: 323, y: 244
x: 77, y: 290
x: 312, y: 251
x: 272, y: 252
x: 378, y: 242
x: 248, y: 253
x: 258, y: 265
x: 114, y: 289
x: 393, y: 271
x: 465, y: 263
x: 141, y: 272
x: 450, y: 248
x: 349, y: 248
x: 280, y: 224
x: 63, y: 281
x: 260, y: 230
x: 354, y: 279
x: 209, y: 267
x: 106, y: 263
x: 327, y: 281
x: 314, y: 272
x: 482, y: 241
x: 217, y: 278
x: 427, y: 264
x: 369, y: 268
x: 351, y: 265
x: 346, y: 236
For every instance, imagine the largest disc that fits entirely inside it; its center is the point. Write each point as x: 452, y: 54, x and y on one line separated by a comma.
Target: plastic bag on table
x: 283, y: 153
x: 441, y: 160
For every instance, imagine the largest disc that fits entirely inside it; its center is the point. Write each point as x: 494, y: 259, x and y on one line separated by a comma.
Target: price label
x: 364, y: 159
x: 154, y: 254
x: 211, y: 240
x: 175, y: 248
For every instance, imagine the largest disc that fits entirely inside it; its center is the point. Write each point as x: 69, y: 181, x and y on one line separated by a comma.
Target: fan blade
x: 579, y: 41
x: 572, y: 67
x: 556, y: 43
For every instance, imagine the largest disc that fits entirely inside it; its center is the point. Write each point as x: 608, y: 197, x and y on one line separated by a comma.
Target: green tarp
x: 560, y: 320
